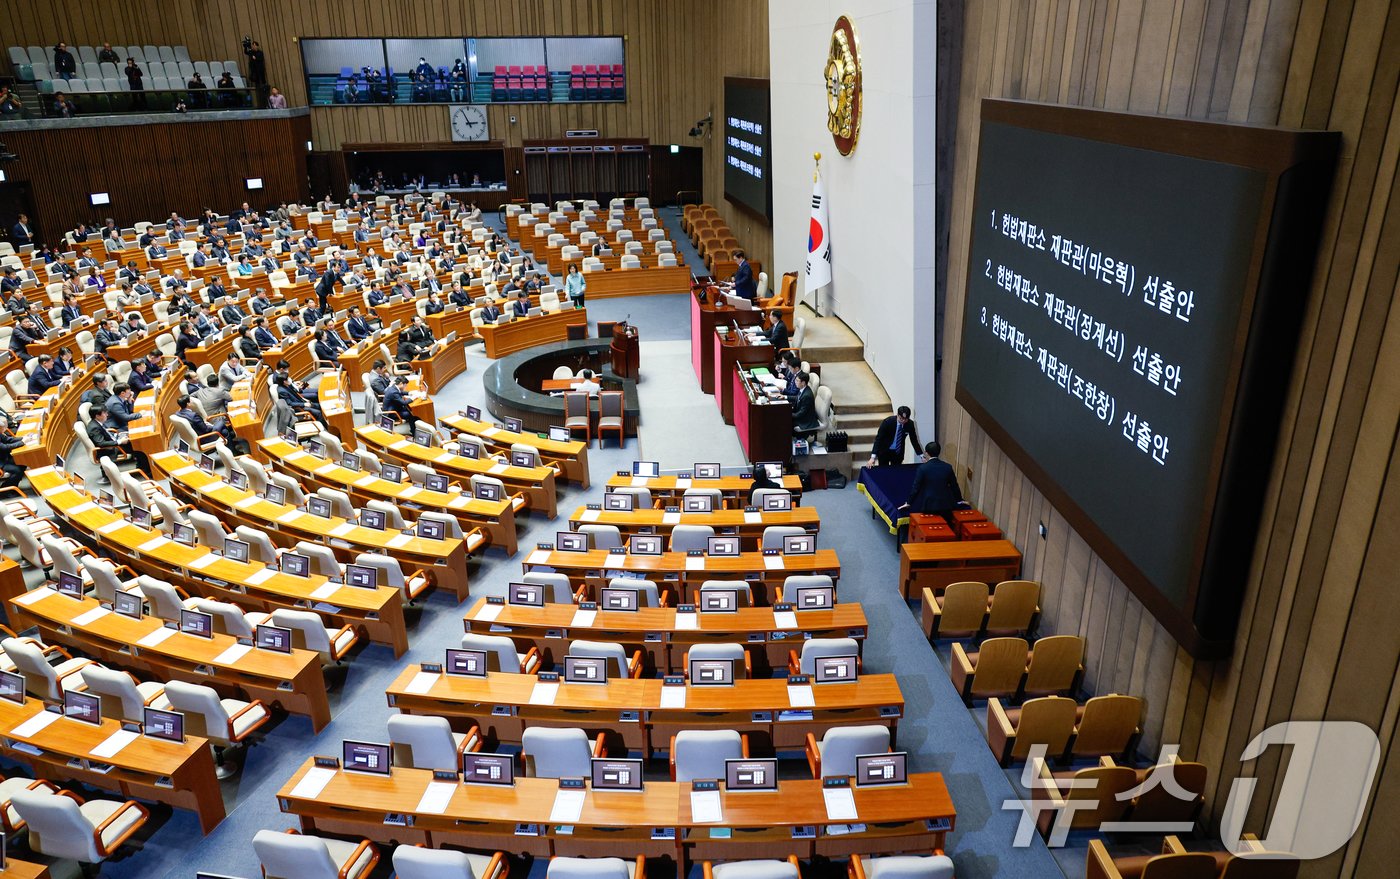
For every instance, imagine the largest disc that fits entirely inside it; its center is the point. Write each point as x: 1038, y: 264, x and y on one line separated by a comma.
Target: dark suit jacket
x: 778, y: 335
x: 935, y: 488
x: 744, y: 284
x: 396, y: 402
x: 378, y: 383
x: 264, y: 337
x: 490, y: 314
x: 884, y: 437
x: 102, y: 436
x: 804, y: 411
x: 358, y: 327
x: 42, y: 379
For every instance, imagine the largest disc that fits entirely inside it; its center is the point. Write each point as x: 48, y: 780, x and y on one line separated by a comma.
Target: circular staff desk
x: 511, y: 380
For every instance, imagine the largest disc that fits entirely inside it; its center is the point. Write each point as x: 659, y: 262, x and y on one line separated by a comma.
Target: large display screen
x: 747, y: 144
x: 1126, y: 307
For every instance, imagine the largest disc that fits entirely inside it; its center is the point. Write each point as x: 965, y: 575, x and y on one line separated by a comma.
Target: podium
x: 626, y: 354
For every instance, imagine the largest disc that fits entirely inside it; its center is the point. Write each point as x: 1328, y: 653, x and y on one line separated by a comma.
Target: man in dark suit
x: 520, y: 307
x: 260, y: 302
x: 326, y: 286
x: 357, y: 326
x: 219, y: 425
x: 379, y: 378
x: 122, y: 406
x: 889, y: 439
x: 21, y: 232
x: 24, y: 335
x: 376, y: 295
x: 43, y: 376
x: 777, y: 334
x: 289, y: 393
x: 396, y: 401
x: 231, y: 314
x: 262, y: 335
x: 935, y: 488
x: 743, y: 282
x: 490, y: 313
x: 104, y: 436
x: 804, y: 407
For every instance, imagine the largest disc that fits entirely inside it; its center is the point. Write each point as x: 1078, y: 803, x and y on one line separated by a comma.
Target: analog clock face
x: 842, y: 74
x: 468, y: 122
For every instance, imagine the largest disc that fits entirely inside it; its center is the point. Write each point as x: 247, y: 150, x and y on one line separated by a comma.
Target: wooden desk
x: 15, y: 869
x: 535, y: 483
x: 134, y: 349
x: 47, y: 426
x: 704, y: 317
x: 749, y: 526
x: 444, y: 561
x: 297, y: 352
x: 757, y: 706
x: 638, y: 282
x: 764, y: 428
x: 446, y: 363
x: 484, y: 817
x: 527, y: 332
x: 674, y: 569
x: 935, y: 565
x: 181, y: 775
x: 654, y: 631
x: 114, y: 640
x: 730, y: 353
x: 571, y: 456
x: 212, y: 353
x: 733, y: 488
x: 455, y: 320
x: 402, y: 311
x: 252, y: 400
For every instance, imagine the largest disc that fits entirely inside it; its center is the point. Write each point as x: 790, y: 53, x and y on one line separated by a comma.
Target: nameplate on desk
x: 91, y: 616
x: 203, y: 561
x: 156, y: 638
x: 34, y: 724
x: 114, y: 525
x: 34, y: 595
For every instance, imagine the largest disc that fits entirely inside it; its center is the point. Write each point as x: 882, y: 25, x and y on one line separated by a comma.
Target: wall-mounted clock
x: 468, y: 122
x: 842, y: 77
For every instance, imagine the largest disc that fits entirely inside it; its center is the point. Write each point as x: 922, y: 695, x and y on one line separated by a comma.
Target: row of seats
x: 44, y: 54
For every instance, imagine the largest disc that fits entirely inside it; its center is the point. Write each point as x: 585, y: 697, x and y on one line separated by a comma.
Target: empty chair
x: 310, y: 633
x: 959, y: 612
x: 1056, y: 664
x: 561, y: 372
x: 612, y: 417
x: 517, y: 501
x: 805, y: 662
x: 392, y: 575
x: 900, y: 867
x: 602, y: 536
x: 773, y: 535
x: 996, y: 668
x: 715, y: 495
x: 295, y: 496
x: 467, y: 440
x: 1176, y: 862
x: 44, y: 681
x: 208, y: 530
x: 1014, y: 608
x: 501, y: 653
x: 107, y: 578
x: 1012, y: 732
x: 576, y: 415
x: 302, y: 856
x: 230, y: 619
x: 835, y: 755
x: 559, y: 753
x: 596, y: 868
x: 226, y: 723
x: 166, y: 601
x: 759, y: 494
x: 323, y: 560
x: 641, y: 497
x: 66, y: 827
x: 64, y: 559
x: 620, y: 664
x: 764, y: 869
x: 558, y: 589
x: 260, y: 548
x: 393, y: 516
x: 257, y: 476
x: 687, y: 537
x: 122, y: 696
x: 733, y: 652
x: 700, y: 753
x: 1157, y: 802
x: 528, y: 450
x: 1097, y: 791
x: 416, y: 862
x: 742, y: 591
x: 429, y: 742
x: 341, y: 506
x: 335, y: 450
x: 648, y: 595
x: 1107, y: 724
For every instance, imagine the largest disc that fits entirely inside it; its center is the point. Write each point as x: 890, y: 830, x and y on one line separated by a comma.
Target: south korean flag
x: 818, y: 240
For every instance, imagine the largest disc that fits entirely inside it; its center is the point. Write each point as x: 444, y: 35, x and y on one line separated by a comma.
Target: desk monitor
x: 362, y: 576
x: 813, y: 597
x: 724, y: 546
x: 719, y: 600
x: 882, y: 769
x: 184, y: 448
x: 318, y: 506
x: 774, y: 469
x: 368, y: 757
x: 317, y: 448
x: 487, y: 491
x: 70, y: 585
x: 128, y: 604
x: 238, y: 479
x: 711, y: 672
x: 777, y: 503
x: 168, y: 725
x: 647, y: 544
x: 835, y: 669
x: 194, y: 622
x: 372, y: 519
x: 12, y: 687
x: 750, y: 775
x: 106, y: 501
x: 466, y: 663
x: 435, y: 482
x: 523, y: 459
x: 617, y: 774
x: 274, y: 638
x: 183, y: 533
x: 646, y: 469
x: 706, y: 471
x: 469, y: 451
x: 618, y: 598
x: 391, y: 472
x: 58, y: 463
x: 276, y: 494
x: 559, y: 434
x: 432, y: 529
x: 525, y: 594
x: 81, y: 706
x: 350, y: 461
x: 619, y: 502
x: 473, y: 413
x: 140, y: 516
x: 488, y: 768
x: 386, y: 422
x: 799, y: 544
x: 423, y: 436
x: 207, y: 463
x: 514, y: 425
x: 697, y: 503
x: 585, y: 670
x: 296, y: 564
x: 571, y: 541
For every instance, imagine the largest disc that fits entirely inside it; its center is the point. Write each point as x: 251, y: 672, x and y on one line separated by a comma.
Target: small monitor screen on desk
x: 435, y: 482
x: 616, y: 598
x: 295, y: 564
x: 617, y: 774
x: 12, y: 687
x: 238, y: 479
x: 514, y: 425
x: 432, y: 529
x: 317, y: 448
x: 726, y: 546
x: 812, y: 597
x: 697, y: 503
x: 646, y: 544
x: 183, y: 533
x: 799, y: 544
x: 774, y: 469
x: 585, y: 670
x: 127, y: 604
x: 881, y: 769
x: 391, y: 472
x: 168, y: 725
x: 711, y: 672
x: 81, y: 706
x: 750, y: 775
x: 467, y: 450
x: 372, y: 519
x: 487, y: 491
x: 719, y: 600
x: 473, y: 413
x: 366, y: 757
x: 192, y: 622
x: 274, y: 638
x: 362, y: 576
x: 522, y: 459
x: 646, y: 469
x: 619, y: 502
x: 350, y: 461
x: 386, y: 422
x: 70, y: 585
x: 466, y: 663
x: 235, y: 550
x: 525, y: 594
x: 141, y: 516
x: 571, y: 541
x: 835, y: 669
x: 276, y: 494
x: 488, y: 769
x: 706, y: 471
x: 423, y: 436
x: 559, y: 434
x: 318, y: 506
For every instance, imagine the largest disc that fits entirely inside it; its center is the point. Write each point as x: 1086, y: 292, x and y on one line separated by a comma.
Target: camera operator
x: 257, y: 69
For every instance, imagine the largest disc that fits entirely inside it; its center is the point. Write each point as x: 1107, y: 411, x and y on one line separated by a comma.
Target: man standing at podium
x: 743, y: 282
x: 889, y: 439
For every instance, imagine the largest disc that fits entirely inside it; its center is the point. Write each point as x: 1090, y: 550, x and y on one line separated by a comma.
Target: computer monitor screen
x: 12, y: 686
x: 318, y: 506
x: 724, y: 545
x: 813, y: 597
x: 777, y: 503
x: 238, y: 479
x: 207, y: 463
x: 879, y: 769
x: 571, y: 541
x: 646, y: 544
x: 719, y: 600
x: 706, y: 471
x: 711, y: 672
x: 488, y: 768
x: 423, y: 436
x: 432, y: 529
x: 799, y: 544
x: 558, y: 434
x: 296, y: 564
x: 350, y: 461
x: 468, y: 450
x: 617, y: 774
x: 619, y: 502
x: 81, y: 706
x: 525, y: 594
x: 774, y: 469
x: 697, y: 503
x: 372, y: 519
x: 127, y: 604
x: 523, y: 459
x: 182, y: 447
x: 647, y: 469
x: 362, y: 576
x: 370, y: 757
x: 750, y: 775
x: 140, y: 516
x: 514, y: 425
x: 70, y: 585
x: 193, y: 622
x: 159, y: 724
x: 274, y: 638
x: 435, y: 482
x: 585, y: 670
x: 276, y: 494
x: 183, y: 533
x: 386, y: 422
x: 616, y: 598
x: 317, y: 448
x: 835, y: 669
x: 487, y: 491
x: 391, y: 472
x: 467, y: 663
x: 473, y: 413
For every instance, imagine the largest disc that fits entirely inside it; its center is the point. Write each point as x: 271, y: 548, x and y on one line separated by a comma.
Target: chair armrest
x: 336, y: 637
x: 120, y: 840
x: 962, y: 670
x: 471, y: 741
x: 599, y: 747
x: 154, y: 696
x: 256, y: 703
x: 355, y: 856
x: 744, y: 745
x: 856, y: 868
x: 1099, y: 864
x: 709, y: 870
x: 671, y: 760
x: 1171, y: 845
x: 748, y: 664
x: 814, y: 756
x: 1001, y: 735
x: 634, y: 665
x: 498, y: 868
x: 54, y: 648
x: 532, y: 654
x: 794, y: 663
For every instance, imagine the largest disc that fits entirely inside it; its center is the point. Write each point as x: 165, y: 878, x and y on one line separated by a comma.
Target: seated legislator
x: 804, y: 407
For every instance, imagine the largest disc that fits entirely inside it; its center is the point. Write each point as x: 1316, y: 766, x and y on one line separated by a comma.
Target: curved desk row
x: 511, y: 381
x: 527, y: 332
x: 748, y: 525
x: 735, y: 489
x: 570, y: 457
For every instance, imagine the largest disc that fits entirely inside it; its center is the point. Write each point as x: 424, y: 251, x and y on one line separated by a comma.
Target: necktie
x: 898, y: 437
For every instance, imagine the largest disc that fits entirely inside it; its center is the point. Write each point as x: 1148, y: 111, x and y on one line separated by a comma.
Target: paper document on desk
x: 398, y: 540
x: 538, y: 557
x: 670, y: 518
x: 589, y: 516
x: 705, y: 807
x: 203, y: 561
x: 233, y: 654
x: 328, y: 467
x: 498, y: 468
x: 342, y: 529
x: 114, y: 743
x: 365, y: 481
x: 114, y: 525
x: 257, y: 578
x: 687, y: 622
x: 153, y: 544
x: 313, y: 782
x: 694, y: 563
x: 82, y: 508
x: 91, y: 616
x: 156, y: 638
x: 672, y: 697
x: 544, y: 693
x: 583, y: 618
x: 752, y: 518
x: 568, y: 806
x: 840, y: 803
x: 801, y: 697
x: 488, y: 612
x: 422, y: 682
x: 639, y: 481
x: 34, y: 724
x: 244, y: 503
x: 409, y: 492
x: 436, y: 798
x: 290, y: 516
x: 325, y: 590
x: 784, y: 619
x: 773, y: 562
x: 34, y: 595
